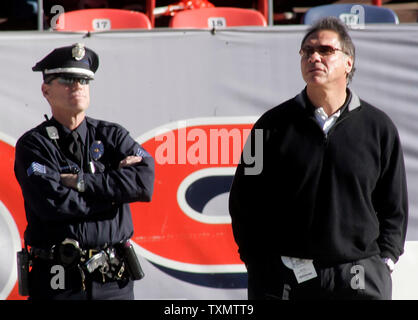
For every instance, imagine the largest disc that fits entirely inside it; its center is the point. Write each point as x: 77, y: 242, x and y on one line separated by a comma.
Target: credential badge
x: 78, y: 51
x: 96, y: 150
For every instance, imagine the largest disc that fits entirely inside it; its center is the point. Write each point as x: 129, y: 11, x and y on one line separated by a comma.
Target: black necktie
x: 74, y: 148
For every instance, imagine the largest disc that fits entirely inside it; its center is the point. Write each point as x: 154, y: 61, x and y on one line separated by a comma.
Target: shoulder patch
x: 140, y: 152
x: 36, y: 167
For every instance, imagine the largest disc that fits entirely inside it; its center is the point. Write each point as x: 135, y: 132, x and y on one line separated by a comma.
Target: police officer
x: 78, y: 176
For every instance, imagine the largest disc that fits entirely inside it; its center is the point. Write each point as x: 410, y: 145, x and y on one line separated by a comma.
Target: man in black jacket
x: 326, y: 218
x: 78, y: 176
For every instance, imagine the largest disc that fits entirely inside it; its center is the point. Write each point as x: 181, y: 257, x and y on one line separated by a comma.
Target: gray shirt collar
x: 352, y: 105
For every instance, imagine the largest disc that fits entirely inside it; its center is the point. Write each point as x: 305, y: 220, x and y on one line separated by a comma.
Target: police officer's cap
x: 76, y: 61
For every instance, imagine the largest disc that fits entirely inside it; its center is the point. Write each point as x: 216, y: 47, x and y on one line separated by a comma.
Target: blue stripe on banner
x: 211, y: 280
x: 36, y: 167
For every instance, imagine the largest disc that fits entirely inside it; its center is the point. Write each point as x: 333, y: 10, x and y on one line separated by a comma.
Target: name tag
x: 303, y: 269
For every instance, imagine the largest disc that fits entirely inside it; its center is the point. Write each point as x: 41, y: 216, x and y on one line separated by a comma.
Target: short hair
x: 49, y: 78
x: 336, y: 25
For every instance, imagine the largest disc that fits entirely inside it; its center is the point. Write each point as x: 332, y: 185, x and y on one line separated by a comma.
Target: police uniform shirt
x: 67, y: 138
x: 98, y: 216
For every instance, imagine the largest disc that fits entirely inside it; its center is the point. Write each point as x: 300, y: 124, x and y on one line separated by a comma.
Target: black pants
x: 366, y: 279
x: 43, y: 285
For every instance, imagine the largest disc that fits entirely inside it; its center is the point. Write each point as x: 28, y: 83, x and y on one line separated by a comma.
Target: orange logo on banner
x: 161, y: 226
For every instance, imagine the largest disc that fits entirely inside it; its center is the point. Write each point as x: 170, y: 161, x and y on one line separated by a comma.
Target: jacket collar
x: 64, y: 132
x: 353, y: 104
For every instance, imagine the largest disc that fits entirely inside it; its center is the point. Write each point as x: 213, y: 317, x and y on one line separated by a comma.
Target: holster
x: 23, y: 262
x: 131, y: 261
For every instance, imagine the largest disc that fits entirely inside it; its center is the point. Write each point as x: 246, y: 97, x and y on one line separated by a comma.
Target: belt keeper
x: 92, y: 252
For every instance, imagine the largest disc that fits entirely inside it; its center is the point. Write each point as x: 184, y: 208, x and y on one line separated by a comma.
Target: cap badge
x: 78, y: 51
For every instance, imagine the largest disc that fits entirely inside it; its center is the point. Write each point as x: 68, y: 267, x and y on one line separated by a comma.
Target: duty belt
x: 69, y: 254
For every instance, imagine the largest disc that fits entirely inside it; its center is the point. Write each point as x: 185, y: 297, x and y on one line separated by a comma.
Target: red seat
x: 217, y: 17
x: 101, y: 20
x: 263, y: 7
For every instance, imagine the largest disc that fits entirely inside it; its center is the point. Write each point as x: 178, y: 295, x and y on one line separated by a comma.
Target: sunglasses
x: 67, y: 81
x: 323, y: 51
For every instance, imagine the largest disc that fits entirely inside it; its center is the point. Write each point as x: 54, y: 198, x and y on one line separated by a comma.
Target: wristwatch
x: 81, y: 187
x: 389, y: 263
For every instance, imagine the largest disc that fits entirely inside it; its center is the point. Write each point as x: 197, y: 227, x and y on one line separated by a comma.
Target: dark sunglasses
x: 67, y: 81
x: 323, y: 51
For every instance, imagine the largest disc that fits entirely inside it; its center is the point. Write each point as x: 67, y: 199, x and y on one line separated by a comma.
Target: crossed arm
x: 70, y: 179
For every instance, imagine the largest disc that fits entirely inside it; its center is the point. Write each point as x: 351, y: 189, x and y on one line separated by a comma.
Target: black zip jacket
x: 98, y: 216
x: 333, y: 198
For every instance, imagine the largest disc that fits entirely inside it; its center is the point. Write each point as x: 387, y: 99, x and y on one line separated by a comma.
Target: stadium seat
x: 352, y: 14
x: 101, y: 20
x: 149, y: 11
x: 218, y: 17
x: 263, y: 7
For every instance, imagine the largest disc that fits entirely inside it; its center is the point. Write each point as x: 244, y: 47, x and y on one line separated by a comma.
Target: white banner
x: 196, y: 90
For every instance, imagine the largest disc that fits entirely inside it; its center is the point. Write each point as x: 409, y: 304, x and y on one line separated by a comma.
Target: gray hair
x: 336, y: 25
